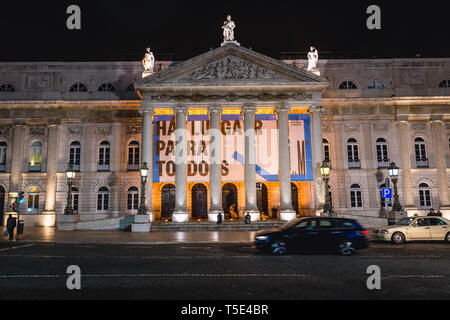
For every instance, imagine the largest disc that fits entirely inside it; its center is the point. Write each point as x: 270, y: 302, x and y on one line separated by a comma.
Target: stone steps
x: 159, y: 226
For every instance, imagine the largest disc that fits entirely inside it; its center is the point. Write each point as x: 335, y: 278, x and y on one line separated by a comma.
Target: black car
x: 314, y: 233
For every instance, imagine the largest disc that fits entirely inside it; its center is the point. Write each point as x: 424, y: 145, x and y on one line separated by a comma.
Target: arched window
x: 444, y: 83
x: 326, y: 150
x: 353, y: 154
x: 133, y: 155
x: 75, y: 197
x: 106, y: 87
x: 33, y: 200
x: 3, y: 148
x: 355, y: 196
x: 424, y: 195
x: 376, y: 84
x: 131, y: 88
x: 133, y: 199
x: 7, y: 88
x: 35, y: 156
x: 103, y: 200
x: 104, y: 156
x: 420, y: 149
x: 75, y: 155
x: 347, y: 85
x: 78, y: 87
x: 382, y: 153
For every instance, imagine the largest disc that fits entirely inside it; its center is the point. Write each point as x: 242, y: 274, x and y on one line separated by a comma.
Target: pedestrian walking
x: 431, y: 213
x: 219, y: 218
x: 247, y: 218
x: 10, y: 226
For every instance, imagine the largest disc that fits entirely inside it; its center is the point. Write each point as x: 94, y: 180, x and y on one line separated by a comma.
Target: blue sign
x: 386, y: 193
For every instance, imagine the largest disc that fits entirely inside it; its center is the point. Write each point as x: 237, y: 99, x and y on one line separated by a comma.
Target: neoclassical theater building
x: 230, y: 130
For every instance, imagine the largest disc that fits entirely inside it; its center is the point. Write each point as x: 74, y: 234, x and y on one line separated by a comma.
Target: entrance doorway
x: 230, y: 201
x: 2, y: 204
x: 199, y: 202
x: 294, y: 195
x: 167, y: 201
x: 261, y: 198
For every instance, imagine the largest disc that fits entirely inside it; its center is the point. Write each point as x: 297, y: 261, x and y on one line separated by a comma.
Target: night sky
x: 177, y: 30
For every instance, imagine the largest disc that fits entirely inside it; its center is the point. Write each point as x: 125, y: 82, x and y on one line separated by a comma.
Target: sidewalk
x: 52, y: 235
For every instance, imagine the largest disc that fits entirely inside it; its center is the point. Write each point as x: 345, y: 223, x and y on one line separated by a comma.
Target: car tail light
x: 364, y: 232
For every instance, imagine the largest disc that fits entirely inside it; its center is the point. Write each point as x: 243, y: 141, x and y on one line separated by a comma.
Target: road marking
x: 165, y: 275
x: 18, y: 247
x: 415, y: 276
x: 149, y: 258
x: 400, y: 256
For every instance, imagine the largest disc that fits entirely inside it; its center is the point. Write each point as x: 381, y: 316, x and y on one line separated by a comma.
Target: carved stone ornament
x: 326, y: 128
x: 4, y: 131
x: 106, y: 131
x: 75, y: 131
x: 352, y: 128
x: 232, y: 68
x: 381, y: 127
x: 37, y: 131
x: 134, y: 130
x: 418, y: 126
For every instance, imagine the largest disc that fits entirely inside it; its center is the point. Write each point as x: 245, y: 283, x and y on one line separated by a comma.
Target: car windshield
x: 290, y: 224
x: 406, y: 222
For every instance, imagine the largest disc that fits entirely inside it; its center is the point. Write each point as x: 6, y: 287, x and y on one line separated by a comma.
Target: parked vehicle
x: 416, y: 229
x: 312, y: 234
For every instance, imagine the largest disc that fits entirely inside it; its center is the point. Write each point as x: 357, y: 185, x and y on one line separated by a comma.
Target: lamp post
x: 325, y: 172
x: 393, y: 173
x: 144, y: 173
x: 70, y: 177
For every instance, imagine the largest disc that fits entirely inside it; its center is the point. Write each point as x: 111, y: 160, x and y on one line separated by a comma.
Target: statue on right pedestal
x: 313, y: 57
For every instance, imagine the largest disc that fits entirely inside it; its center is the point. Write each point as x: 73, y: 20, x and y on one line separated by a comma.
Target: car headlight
x: 262, y: 238
x: 384, y: 231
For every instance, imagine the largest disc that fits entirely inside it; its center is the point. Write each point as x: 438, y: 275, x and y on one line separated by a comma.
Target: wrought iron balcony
x: 133, y: 167
x: 354, y: 164
x: 2, y: 167
x: 383, y: 163
x: 103, y: 166
x: 422, y: 163
x: 74, y: 166
x: 34, y: 167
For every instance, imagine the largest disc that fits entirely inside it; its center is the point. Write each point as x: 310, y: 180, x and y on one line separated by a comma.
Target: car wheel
x: 447, y: 238
x: 398, y: 238
x: 346, y: 248
x: 278, y: 248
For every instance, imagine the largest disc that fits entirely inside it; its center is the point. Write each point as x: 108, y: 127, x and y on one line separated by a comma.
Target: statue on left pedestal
x: 228, y: 30
x: 149, y: 61
x: 313, y: 57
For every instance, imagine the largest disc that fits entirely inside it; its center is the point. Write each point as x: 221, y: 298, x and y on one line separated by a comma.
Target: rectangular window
x: 356, y: 199
x: 425, y: 198
x: 326, y: 152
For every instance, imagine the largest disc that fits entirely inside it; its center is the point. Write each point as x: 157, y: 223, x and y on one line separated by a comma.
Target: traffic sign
x: 386, y: 193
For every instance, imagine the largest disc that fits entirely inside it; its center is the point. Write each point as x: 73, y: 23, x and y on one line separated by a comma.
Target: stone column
x: 147, y: 156
x: 437, y: 127
x: 405, y: 167
x: 317, y: 144
x: 284, y: 162
x: 250, y: 163
x: 52, y: 151
x: 215, y: 171
x: 117, y: 148
x: 180, y: 213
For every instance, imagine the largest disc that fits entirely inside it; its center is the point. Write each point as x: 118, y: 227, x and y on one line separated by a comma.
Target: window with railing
x: 353, y: 154
x: 133, y: 200
x: 75, y: 155
x: 133, y: 156
x: 3, y: 149
x: 424, y: 195
x: 33, y: 201
x: 104, y: 156
x: 35, y: 157
x: 382, y: 153
x: 420, y: 149
x: 103, y: 200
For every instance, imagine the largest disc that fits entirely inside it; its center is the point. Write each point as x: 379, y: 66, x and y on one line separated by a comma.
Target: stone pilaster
x: 215, y: 164
x: 52, y: 151
x: 437, y: 127
x: 117, y: 148
x: 250, y: 163
x: 16, y: 158
x: 405, y: 167
x: 317, y: 144
x: 286, y: 211
x: 180, y: 213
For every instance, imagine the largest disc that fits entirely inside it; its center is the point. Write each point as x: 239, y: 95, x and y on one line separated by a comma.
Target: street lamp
x: 70, y: 173
x: 393, y: 173
x: 144, y: 174
x: 325, y: 172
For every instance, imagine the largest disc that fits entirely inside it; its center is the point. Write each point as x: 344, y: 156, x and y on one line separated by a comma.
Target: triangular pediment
x: 230, y: 65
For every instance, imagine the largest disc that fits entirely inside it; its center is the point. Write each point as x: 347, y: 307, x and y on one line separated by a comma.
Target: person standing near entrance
x: 10, y: 226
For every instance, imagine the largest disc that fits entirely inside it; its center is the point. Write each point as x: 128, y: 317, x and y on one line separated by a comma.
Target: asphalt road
x: 221, y: 272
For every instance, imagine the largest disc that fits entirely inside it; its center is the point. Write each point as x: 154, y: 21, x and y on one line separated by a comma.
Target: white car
x: 416, y: 229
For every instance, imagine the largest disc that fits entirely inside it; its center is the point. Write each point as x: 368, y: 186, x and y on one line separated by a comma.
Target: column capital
x: 180, y: 108
x: 151, y: 111
x: 214, y: 108
x: 402, y: 118
x: 317, y: 108
x: 53, y: 122
x: 437, y: 119
x: 283, y: 107
x: 18, y: 123
x: 249, y: 108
